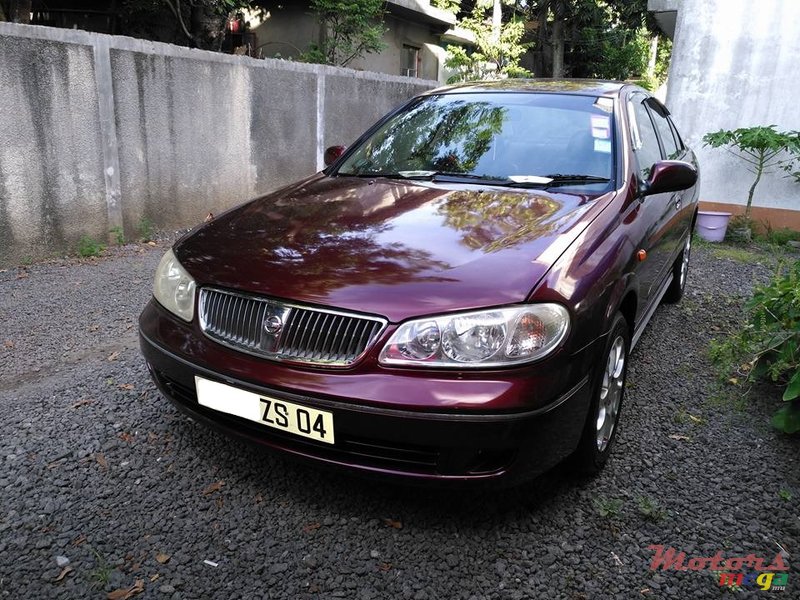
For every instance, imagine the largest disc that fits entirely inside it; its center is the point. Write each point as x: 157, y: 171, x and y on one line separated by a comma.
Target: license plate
x: 279, y: 414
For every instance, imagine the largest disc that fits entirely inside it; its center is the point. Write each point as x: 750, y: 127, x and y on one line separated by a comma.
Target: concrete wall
x: 99, y: 131
x: 735, y: 64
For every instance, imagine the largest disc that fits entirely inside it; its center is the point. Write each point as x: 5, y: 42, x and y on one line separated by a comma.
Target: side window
x: 667, y: 140
x: 675, y: 133
x: 647, y: 149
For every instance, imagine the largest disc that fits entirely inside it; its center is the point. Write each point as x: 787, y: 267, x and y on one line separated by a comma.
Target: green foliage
x: 763, y: 149
x: 100, y: 576
x: 601, y: 38
x: 739, y: 230
x: 145, y: 229
x: 785, y: 495
x: 199, y: 23
x: 88, y: 246
x: 351, y: 30
x: 119, y: 234
x: 452, y: 6
x: 617, y: 53
x: 608, y: 508
x: 650, y: 510
x: 778, y: 237
x: 497, y: 54
x: 768, y: 345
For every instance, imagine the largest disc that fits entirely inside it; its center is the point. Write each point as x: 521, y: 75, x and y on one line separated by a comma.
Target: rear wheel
x: 679, y: 271
x: 607, y: 394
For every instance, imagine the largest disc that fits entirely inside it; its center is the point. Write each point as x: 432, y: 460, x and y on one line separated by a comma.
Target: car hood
x: 389, y: 247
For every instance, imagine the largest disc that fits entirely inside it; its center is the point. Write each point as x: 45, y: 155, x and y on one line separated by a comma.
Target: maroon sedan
x: 454, y: 298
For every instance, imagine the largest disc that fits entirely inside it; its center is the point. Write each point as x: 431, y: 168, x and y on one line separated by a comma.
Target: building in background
x: 415, y: 39
x: 416, y: 34
x: 734, y: 64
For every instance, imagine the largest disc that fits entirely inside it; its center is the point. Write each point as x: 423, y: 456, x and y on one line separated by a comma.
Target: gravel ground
x: 104, y: 486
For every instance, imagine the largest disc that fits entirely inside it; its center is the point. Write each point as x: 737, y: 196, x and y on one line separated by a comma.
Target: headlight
x: 174, y: 287
x: 487, y: 338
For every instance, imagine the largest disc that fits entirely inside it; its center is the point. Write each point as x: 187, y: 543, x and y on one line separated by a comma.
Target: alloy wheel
x: 687, y: 250
x: 610, y: 393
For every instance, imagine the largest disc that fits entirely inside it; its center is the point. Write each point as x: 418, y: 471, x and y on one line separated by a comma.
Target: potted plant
x: 765, y: 150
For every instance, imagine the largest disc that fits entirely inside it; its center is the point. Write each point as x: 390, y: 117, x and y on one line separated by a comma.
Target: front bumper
x: 437, y: 443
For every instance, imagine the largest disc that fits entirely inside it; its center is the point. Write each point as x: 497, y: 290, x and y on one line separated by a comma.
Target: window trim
x: 635, y: 131
x: 405, y: 71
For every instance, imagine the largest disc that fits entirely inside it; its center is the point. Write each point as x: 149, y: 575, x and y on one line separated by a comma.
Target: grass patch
x: 88, y: 246
x: 145, y: 229
x: 101, y: 574
x: 650, y: 510
x: 118, y: 235
x: 785, y: 495
x: 728, y: 396
x: 777, y: 237
x: 735, y: 253
x: 608, y: 508
x: 681, y: 416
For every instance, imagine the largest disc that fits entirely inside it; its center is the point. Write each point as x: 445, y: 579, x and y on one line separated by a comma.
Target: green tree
x: 499, y: 46
x: 196, y: 23
x: 348, y: 30
x: 764, y: 149
x: 593, y: 38
x: 452, y: 6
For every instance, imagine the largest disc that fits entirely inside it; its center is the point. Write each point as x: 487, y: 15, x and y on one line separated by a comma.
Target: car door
x: 673, y: 149
x: 657, y: 210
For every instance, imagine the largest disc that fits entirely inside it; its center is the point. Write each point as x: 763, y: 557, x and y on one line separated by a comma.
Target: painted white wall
x: 736, y: 63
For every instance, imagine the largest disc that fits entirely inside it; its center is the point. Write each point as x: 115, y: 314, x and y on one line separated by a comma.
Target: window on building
x: 412, y: 61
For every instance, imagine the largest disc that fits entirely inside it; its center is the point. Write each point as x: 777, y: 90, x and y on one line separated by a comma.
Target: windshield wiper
x: 447, y: 177
x: 519, y: 181
x: 566, y: 179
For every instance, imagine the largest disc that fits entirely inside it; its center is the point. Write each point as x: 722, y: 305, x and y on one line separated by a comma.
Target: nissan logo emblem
x: 273, y: 325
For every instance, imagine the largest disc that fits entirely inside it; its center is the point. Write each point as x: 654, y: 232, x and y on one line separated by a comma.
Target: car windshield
x: 507, y: 138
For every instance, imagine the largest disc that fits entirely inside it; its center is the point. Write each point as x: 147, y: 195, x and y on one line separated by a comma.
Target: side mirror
x: 332, y: 154
x: 669, y: 176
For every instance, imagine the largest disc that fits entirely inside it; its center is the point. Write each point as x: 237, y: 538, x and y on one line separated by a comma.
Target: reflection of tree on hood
x: 308, y: 235
x: 490, y: 221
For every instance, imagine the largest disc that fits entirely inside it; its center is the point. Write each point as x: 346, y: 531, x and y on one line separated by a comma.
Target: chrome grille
x: 281, y: 331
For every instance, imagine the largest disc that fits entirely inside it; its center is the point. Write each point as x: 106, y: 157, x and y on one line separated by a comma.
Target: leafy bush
x: 145, y: 228
x: 768, y: 345
x: 118, y: 234
x: 88, y: 246
x: 352, y: 29
x: 779, y: 237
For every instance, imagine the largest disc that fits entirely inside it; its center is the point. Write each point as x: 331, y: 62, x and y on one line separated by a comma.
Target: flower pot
x: 711, y: 226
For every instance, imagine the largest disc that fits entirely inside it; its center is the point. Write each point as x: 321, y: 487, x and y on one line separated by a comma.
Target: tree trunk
x: 557, y: 41
x: 651, y: 64
x: 497, y: 20
x: 759, y: 172
x: 539, y: 57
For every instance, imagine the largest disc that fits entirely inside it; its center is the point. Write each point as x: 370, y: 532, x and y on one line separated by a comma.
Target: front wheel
x: 679, y: 271
x: 607, y: 394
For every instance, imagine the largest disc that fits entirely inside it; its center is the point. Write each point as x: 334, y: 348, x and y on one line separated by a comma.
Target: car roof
x: 582, y: 87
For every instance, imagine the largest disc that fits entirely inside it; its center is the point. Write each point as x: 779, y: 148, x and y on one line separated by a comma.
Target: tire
x: 608, y: 391
x: 680, y: 269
